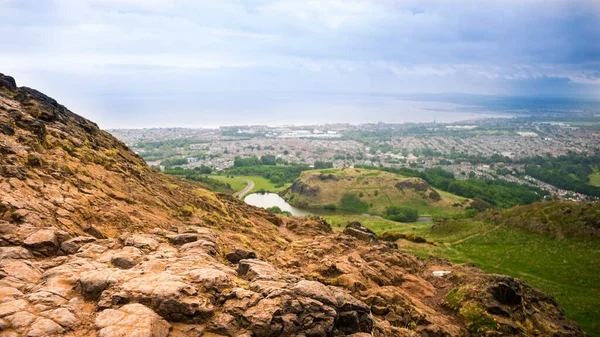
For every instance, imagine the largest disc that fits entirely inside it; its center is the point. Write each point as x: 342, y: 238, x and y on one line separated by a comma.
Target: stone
x: 211, y: 279
x: 11, y: 307
x: 257, y: 270
x: 14, y: 253
x: 64, y: 317
x: 169, y: 296
x: 141, y: 242
x: 180, y: 239
x: 131, y: 320
x: 366, y: 236
x: 126, y: 258
x: 93, y: 282
x: 239, y: 254
x: 315, y: 290
x: 22, y: 270
x: 21, y: 319
x: 200, y: 247
x: 43, y: 327
x: 72, y: 246
x: 44, y: 242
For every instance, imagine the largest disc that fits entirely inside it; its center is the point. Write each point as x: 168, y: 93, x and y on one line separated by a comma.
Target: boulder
x: 43, y: 242
x: 131, y: 320
x: 355, y: 229
x: 141, y: 242
x: 43, y: 327
x: 126, y: 258
x: 72, y: 246
x: 180, y: 239
x: 211, y: 278
x: 14, y: 253
x: 239, y: 254
x: 257, y: 270
x: 169, y: 296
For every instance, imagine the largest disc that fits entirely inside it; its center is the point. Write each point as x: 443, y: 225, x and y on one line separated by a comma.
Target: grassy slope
x: 238, y: 183
x: 567, y: 269
x: 595, y: 179
x: 378, y: 189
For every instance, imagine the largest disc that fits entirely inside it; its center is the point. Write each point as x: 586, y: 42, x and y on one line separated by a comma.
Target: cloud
x: 235, y: 46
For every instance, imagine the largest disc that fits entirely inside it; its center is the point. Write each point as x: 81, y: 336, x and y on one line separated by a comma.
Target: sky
x: 149, y: 63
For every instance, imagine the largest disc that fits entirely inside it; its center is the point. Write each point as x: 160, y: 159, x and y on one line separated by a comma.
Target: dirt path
x: 246, y: 189
x: 475, y: 235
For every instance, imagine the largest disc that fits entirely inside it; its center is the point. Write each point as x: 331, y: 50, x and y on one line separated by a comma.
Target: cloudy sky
x: 141, y: 63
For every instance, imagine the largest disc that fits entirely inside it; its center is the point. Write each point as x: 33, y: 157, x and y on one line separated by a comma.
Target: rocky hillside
x: 95, y: 243
x: 559, y: 219
x: 369, y: 191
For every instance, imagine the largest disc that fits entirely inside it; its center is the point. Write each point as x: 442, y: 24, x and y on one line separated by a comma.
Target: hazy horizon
x: 140, y: 63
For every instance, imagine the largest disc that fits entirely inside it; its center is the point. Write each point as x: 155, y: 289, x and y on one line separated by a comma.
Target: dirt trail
x: 246, y: 189
x: 475, y: 235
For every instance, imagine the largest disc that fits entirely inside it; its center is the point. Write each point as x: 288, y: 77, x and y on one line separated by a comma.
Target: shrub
x: 401, y: 214
x: 352, y: 203
x: 476, y: 318
x: 187, y: 210
x: 455, y: 297
x: 394, y: 236
x: 332, y: 207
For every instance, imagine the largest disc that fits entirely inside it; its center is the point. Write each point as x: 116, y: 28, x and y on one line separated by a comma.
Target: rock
x: 20, y: 320
x: 44, y: 242
x: 22, y: 270
x: 180, y: 239
x: 169, y: 296
x: 43, y: 327
x: 257, y: 270
x: 361, y: 235
x: 7, y: 82
x: 64, y: 317
x: 14, y: 253
x: 506, y: 293
x: 141, y: 242
x: 223, y: 324
x: 10, y: 307
x: 357, y: 225
x: 131, y: 320
x: 126, y: 258
x: 72, y: 246
x: 315, y: 290
x: 93, y: 282
x: 201, y: 247
x: 240, y: 254
x: 211, y: 279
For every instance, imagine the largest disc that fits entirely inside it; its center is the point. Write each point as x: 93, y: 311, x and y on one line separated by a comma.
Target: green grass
x: 595, y: 179
x: 567, y: 269
x: 238, y: 183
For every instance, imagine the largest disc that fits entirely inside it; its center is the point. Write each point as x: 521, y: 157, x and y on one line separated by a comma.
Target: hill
x: 95, y: 243
x: 370, y: 191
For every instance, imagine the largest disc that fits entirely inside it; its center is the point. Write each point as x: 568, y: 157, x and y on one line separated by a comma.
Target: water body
x: 271, y: 199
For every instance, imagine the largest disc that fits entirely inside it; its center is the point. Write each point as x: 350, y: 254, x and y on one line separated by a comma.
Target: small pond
x: 272, y: 199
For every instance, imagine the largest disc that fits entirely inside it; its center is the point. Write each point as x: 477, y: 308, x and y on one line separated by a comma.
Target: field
x: 567, y: 269
x: 371, y: 191
x: 238, y: 183
x: 595, y: 179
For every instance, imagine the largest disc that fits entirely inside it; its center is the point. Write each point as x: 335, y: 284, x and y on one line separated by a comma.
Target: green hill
x: 370, y: 191
x: 552, y: 245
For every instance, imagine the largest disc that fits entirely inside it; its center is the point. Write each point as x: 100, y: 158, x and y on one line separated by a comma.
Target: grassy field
x: 595, y: 179
x: 238, y: 183
x: 567, y: 269
x: 372, y: 191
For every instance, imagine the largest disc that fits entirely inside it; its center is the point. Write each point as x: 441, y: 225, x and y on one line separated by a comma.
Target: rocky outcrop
x: 301, y: 188
x: 93, y: 243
